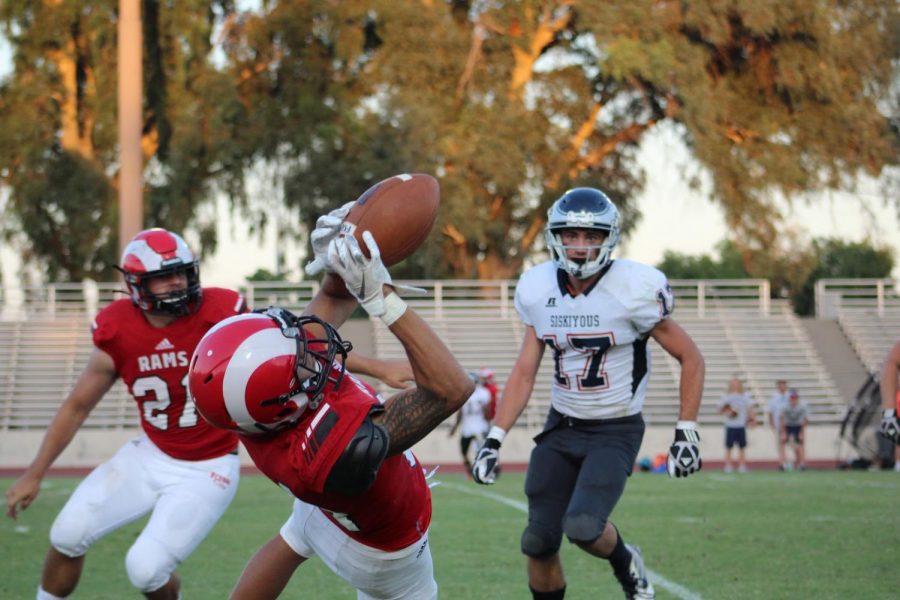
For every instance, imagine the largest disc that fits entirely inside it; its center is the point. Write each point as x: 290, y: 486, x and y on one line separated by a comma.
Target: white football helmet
x: 257, y: 372
x: 156, y: 253
x: 582, y: 208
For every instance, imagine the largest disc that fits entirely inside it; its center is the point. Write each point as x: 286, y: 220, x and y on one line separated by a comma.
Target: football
x: 399, y: 212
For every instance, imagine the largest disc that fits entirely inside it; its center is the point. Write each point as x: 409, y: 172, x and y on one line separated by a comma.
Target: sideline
x: 670, y: 586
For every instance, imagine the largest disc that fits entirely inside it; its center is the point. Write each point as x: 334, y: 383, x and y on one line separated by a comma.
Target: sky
x: 675, y: 217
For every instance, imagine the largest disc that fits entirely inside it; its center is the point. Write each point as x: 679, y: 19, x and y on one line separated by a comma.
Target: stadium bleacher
x: 45, y: 342
x: 868, y: 311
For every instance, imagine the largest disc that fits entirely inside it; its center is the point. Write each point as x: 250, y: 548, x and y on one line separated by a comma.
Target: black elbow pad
x: 356, y: 469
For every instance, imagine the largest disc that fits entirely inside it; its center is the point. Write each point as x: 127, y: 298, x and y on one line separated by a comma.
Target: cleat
x: 636, y: 585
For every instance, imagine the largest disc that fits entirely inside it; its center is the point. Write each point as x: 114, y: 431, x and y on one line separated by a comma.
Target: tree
x: 58, y: 128
x: 792, y: 271
x: 729, y: 265
x: 841, y: 259
x: 513, y: 102
x: 266, y: 275
x: 509, y: 103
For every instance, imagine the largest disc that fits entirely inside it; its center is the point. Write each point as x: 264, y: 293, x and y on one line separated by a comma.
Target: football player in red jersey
x: 181, y: 469
x: 362, y: 503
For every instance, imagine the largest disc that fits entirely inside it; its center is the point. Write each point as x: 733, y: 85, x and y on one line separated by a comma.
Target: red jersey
x: 392, y: 514
x: 153, y: 363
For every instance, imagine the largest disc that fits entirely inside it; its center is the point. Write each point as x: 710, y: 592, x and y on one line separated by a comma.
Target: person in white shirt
x: 596, y: 316
x: 777, y: 403
x: 792, y: 422
x: 472, y: 420
x: 737, y: 407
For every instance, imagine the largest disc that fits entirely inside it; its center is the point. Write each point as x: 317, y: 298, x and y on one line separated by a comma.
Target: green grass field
x: 759, y: 535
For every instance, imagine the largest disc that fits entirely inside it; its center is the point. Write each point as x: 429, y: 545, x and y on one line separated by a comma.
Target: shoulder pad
x: 356, y: 469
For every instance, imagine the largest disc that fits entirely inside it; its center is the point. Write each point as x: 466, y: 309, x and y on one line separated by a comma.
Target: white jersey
x: 776, y: 404
x: 598, y: 339
x: 472, y: 421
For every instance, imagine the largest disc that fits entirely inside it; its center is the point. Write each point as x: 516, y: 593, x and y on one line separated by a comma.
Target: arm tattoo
x: 411, y: 415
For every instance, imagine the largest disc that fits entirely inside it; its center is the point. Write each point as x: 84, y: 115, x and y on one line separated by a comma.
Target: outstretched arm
x: 331, y: 305
x: 95, y: 381
x: 442, y: 384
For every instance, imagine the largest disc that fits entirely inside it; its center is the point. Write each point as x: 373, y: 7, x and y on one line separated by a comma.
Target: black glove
x: 484, y: 470
x: 890, y: 428
x: 684, y: 453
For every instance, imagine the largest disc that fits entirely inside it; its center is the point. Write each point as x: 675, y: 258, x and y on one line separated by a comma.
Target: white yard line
x: 670, y: 586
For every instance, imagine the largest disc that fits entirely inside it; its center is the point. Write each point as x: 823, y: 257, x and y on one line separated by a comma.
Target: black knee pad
x: 539, y: 543
x: 582, y: 529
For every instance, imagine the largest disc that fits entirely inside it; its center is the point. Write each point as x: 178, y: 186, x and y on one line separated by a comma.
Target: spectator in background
x: 472, y: 420
x: 777, y: 403
x: 792, y: 422
x: 737, y: 407
x: 487, y: 376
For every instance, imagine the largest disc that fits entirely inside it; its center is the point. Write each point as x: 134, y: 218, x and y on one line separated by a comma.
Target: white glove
x: 684, y: 453
x: 484, y: 469
x: 327, y: 227
x: 487, y: 461
x: 890, y: 428
x: 364, y: 277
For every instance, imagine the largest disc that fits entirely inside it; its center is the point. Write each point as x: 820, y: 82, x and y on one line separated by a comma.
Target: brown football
x: 399, y: 212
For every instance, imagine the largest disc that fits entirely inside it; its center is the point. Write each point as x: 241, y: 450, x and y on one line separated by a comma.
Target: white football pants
x: 406, y: 574
x: 186, y: 499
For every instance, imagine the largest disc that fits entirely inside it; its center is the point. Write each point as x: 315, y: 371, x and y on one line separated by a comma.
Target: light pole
x: 131, y: 108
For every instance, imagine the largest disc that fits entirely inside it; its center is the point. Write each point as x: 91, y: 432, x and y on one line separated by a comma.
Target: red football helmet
x: 156, y: 253
x: 257, y: 372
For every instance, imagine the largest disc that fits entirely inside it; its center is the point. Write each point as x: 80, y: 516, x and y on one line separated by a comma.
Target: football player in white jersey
x: 595, y: 315
x: 472, y: 420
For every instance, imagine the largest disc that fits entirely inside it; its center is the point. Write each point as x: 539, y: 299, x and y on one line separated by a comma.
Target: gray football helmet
x: 582, y: 208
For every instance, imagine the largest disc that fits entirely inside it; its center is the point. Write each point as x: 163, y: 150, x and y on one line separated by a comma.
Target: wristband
x: 497, y: 433
x: 394, y: 307
x: 686, y: 425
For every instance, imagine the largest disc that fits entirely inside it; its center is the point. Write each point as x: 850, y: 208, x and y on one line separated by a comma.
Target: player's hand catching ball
x: 364, y: 277
x: 327, y: 227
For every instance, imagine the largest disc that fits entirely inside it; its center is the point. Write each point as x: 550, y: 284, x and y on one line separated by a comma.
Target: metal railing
x: 443, y: 297
x: 835, y: 295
